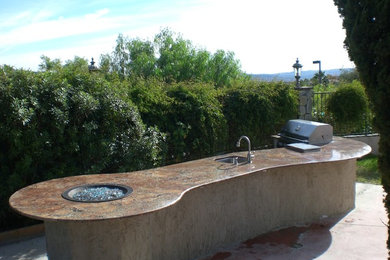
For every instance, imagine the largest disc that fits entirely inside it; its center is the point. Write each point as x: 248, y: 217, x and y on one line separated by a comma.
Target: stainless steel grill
x: 303, y: 131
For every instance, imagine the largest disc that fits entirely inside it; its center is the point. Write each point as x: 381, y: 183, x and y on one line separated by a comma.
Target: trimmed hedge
x: 258, y: 110
x: 348, y: 103
x: 189, y: 113
x: 200, y: 120
x: 196, y: 124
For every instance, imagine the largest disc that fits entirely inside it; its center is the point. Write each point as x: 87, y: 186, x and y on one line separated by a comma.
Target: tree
x: 170, y: 58
x: 367, y: 25
x: 349, y: 75
x: 224, y: 68
x: 176, y: 55
x: 120, y: 59
x: 315, y: 80
x: 142, y: 58
x: 77, y: 65
x: 49, y: 65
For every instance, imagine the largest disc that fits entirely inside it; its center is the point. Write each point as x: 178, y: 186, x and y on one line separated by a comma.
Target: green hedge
x: 348, y: 103
x: 200, y: 120
x: 189, y: 113
x: 345, y: 106
x: 258, y: 110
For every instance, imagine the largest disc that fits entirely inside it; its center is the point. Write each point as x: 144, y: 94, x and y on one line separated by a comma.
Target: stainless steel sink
x: 234, y: 159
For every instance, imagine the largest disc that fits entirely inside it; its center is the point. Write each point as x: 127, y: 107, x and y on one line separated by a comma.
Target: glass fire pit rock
x: 97, y: 192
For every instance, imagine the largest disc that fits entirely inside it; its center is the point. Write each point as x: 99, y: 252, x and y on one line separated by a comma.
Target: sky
x: 267, y: 36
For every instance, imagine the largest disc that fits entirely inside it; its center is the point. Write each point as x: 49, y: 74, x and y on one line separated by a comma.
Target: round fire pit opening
x: 97, y: 192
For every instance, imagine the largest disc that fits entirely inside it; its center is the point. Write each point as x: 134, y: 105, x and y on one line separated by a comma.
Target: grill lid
x: 306, y: 132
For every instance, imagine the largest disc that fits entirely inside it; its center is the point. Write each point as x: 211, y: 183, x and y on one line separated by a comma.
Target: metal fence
x: 320, y: 114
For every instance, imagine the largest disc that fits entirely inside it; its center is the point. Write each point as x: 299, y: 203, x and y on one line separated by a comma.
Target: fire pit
x: 97, y: 192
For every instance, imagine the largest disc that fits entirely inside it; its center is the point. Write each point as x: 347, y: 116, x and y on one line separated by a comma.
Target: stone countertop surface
x: 161, y: 187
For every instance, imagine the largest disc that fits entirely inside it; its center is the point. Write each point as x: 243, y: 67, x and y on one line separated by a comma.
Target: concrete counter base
x: 213, y: 215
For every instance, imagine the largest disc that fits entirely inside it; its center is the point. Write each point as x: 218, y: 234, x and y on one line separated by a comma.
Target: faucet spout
x: 238, y: 144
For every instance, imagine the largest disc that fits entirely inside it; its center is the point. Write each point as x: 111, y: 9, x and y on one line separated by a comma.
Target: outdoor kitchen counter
x: 159, y: 188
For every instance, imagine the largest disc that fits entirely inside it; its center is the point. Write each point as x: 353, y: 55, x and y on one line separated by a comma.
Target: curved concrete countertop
x: 158, y: 188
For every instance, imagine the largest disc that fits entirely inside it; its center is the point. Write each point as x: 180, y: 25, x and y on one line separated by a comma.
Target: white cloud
x: 58, y: 28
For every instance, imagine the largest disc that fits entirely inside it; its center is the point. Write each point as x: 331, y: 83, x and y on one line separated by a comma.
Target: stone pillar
x: 305, y: 103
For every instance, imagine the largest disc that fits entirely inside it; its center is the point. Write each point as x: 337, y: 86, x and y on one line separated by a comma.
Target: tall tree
x: 175, y: 56
x: 142, y: 58
x: 224, y: 68
x: 120, y: 59
x: 171, y: 58
x: 367, y: 25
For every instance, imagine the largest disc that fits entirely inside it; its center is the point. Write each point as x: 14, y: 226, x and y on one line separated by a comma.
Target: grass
x: 367, y: 170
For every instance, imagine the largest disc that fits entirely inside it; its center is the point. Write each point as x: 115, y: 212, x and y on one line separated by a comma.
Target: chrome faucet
x: 249, y: 156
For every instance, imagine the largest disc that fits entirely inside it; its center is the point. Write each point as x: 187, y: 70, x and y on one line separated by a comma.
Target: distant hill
x: 289, y: 76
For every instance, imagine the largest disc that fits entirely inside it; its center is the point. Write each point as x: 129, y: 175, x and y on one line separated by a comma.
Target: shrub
x: 200, y: 120
x: 348, y: 103
x: 150, y: 96
x: 258, y: 110
x: 196, y: 121
x: 189, y: 113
